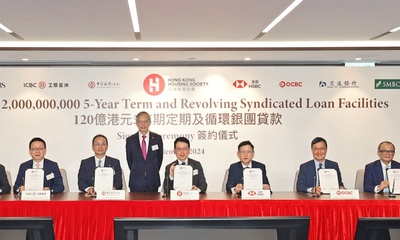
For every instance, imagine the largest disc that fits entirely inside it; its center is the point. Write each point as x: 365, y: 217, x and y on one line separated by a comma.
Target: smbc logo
x: 387, y: 83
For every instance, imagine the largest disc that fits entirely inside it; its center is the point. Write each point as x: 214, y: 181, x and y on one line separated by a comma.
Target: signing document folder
x: 393, y: 176
x: 253, y: 185
x: 103, y: 179
x: 34, y: 178
x: 328, y: 180
x: 183, y: 182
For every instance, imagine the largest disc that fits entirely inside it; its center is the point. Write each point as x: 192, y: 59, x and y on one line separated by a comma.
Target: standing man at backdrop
x: 235, y: 179
x: 89, y: 165
x: 4, y: 184
x: 144, y: 153
x: 182, y: 150
x: 52, y: 175
x: 308, y: 173
x: 375, y: 178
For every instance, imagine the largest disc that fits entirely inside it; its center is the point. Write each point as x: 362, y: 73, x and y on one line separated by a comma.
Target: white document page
x: 328, y: 180
x: 252, y: 179
x: 103, y: 178
x: 183, y: 177
x: 34, y: 179
x: 394, y: 180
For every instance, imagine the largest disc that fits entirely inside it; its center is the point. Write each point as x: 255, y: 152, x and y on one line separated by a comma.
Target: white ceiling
x: 188, y: 32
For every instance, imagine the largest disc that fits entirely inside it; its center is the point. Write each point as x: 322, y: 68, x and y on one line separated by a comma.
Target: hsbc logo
x: 252, y: 193
x: 240, y: 84
x: 283, y: 84
x: 154, y: 84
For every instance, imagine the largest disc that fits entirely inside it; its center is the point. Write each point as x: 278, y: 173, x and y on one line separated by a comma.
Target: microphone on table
x: 314, y: 194
x: 391, y: 193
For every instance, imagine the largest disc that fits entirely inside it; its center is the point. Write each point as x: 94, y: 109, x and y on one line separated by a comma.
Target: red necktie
x: 144, y: 147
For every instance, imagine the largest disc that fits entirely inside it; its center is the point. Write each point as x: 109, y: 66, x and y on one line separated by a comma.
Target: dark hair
x: 387, y: 142
x: 244, y: 143
x: 317, y: 140
x: 99, y: 135
x: 37, y: 139
x: 141, y: 113
x: 182, y: 139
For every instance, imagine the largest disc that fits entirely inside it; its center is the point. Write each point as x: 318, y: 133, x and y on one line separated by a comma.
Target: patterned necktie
x: 144, y: 147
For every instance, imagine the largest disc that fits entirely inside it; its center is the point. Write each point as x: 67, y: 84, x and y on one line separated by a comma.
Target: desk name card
x: 256, y: 194
x: 345, y: 194
x: 111, y: 195
x: 35, y: 195
x: 185, y: 195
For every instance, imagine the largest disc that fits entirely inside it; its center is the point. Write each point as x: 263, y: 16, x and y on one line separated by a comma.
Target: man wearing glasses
x: 235, y: 179
x: 308, y: 178
x: 52, y: 175
x: 375, y: 178
x: 89, y: 165
x: 182, y: 151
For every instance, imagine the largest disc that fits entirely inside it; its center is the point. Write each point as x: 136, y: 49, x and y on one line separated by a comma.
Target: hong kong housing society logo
x: 154, y: 84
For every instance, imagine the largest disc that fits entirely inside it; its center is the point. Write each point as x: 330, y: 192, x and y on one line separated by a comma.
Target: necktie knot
x: 320, y: 166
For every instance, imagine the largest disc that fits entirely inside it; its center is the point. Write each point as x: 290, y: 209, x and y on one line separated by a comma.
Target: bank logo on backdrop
x: 387, y: 83
x: 240, y: 84
x: 103, y: 84
x: 43, y: 85
x: 154, y: 84
x: 283, y: 84
x: 338, y: 84
x: 91, y: 84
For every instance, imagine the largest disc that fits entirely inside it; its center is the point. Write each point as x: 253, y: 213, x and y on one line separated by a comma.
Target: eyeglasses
x: 387, y: 151
x: 181, y: 149
x: 100, y: 144
x: 319, y: 149
x: 37, y: 149
x: 245, y: 152
x: 142, y: 121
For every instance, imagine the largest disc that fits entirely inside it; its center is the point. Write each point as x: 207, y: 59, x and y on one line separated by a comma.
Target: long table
x: 83, y: 218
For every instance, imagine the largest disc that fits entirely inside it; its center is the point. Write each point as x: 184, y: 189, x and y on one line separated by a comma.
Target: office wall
x: 279, y: 109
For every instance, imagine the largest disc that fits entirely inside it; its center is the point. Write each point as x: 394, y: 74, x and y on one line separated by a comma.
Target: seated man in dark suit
x: 235, y: 179
x: 375, y: 178
x: 308, y: 178
x: 182, y: 150
x: 4, y: 184
x: 89, y: 165
x: 52, y: 175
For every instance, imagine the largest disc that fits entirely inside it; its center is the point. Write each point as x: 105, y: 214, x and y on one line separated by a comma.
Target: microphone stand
x: 314, y: 194
x: 391, y: 194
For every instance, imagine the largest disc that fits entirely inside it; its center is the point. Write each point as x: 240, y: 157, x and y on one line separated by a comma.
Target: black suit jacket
x: 198, y: 179
x: 4, y: 184
x: 373, y: 174
x: 236, y: 174
x: 144, y: 175
x: 307, y: 174
x: 87, y: 168
x: 55, y: 184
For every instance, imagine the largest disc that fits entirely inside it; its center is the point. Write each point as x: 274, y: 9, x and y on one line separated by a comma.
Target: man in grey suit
x: 182, y: 150
x: 89, y: 165
x: 307, y: 180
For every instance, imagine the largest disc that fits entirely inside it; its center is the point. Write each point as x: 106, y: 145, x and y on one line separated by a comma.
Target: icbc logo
x: 154, y: 84
x: 41, y: 84
x: 91, y: 84
x: 283, y: 84
x: 240, y: 83
x: 179, y: 193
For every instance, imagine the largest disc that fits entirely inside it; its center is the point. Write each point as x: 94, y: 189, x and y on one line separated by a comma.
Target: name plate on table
x: 256, y: 194
x: 184, y: 195
x: 111, y: 195
x: 345, y: 194
x: 35, y: 195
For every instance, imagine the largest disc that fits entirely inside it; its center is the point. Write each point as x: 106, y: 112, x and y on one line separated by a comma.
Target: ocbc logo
x: 339, y: 192
x: 283, y: 84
